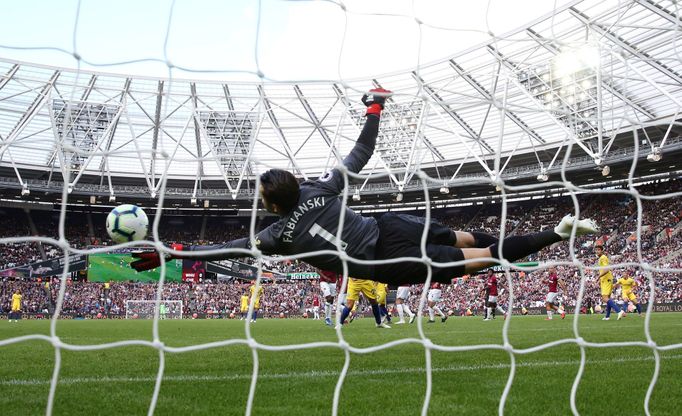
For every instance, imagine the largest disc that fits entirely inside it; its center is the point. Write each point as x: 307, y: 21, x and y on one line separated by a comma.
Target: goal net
x: 147, y: 309
x: 574, y: 112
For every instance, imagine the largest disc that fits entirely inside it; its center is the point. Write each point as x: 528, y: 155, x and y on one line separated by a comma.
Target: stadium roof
x: 595, y: 78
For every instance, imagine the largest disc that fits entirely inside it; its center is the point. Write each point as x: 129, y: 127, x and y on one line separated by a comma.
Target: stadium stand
x: 660, y: 241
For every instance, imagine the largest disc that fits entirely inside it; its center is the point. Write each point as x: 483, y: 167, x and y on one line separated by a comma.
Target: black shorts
x: 400, y: 235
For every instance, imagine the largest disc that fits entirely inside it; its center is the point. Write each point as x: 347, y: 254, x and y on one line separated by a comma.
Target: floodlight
x: 356, y: 195
x: 606, y: 170
x: 193, y: 200
x: 25, y: 191
x: 399, y: 197
x: 112, y: 198
x: 444, y: 190
x: 655, y: 155
x: 573, y: 60
x: 542, y: 176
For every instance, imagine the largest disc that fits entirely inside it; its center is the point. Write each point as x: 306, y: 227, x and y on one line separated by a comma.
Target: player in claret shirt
x: 552, y: 296
x: 433, y: 297
x: 328, y: 282
x: 316, y: 307
x: 491, y: 300
x: 402, y: 304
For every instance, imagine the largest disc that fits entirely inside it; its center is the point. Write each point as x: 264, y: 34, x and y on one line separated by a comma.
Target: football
x: 127, y: 223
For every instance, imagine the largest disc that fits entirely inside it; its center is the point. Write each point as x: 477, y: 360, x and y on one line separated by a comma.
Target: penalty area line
x: 335, y: 374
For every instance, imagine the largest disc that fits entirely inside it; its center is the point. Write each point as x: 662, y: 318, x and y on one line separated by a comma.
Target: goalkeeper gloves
x: 375, y: 99
x: 149, y: 260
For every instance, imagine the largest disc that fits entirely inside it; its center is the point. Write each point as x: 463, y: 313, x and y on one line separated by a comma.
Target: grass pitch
x: 390, y: 381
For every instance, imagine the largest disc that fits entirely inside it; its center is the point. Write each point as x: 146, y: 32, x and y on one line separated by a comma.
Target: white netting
x: 483, y: 106
x: 147, y: 309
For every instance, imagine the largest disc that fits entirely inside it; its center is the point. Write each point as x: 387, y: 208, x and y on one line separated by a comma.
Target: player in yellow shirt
x: 256, y: 303
x: 243, y: 306
x: 628, y: 284
x: 367, y: 288
x: 381, y: 291
x: 16, y: 306
x: 606, y: 283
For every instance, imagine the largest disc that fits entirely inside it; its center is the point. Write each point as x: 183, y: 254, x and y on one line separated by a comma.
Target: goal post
x: 145, y: 309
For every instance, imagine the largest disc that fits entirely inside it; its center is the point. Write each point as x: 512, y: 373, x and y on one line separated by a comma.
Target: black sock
x: 518, y: 247
x: 483, y: 240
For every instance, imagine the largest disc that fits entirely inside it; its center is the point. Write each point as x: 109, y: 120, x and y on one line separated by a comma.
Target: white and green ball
x: 127, y: 223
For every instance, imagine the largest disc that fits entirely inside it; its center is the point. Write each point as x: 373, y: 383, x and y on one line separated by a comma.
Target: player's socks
x: 639, y: 308
x: 499, y: 308
x: 385, y: 312
x: 377, y: 313
x: 518, y: 247
x: 328, y: 310
x: 431, y: 315
x: 438, y: 311
x: 489, y: 315
x: 401, y: 314
x: 345, y: 313
x: 407, y: 310
x: 608, y: 309
x: 549, y: 314
x: 614, y: 305
x: 483, y: 240
x: 255, y: 315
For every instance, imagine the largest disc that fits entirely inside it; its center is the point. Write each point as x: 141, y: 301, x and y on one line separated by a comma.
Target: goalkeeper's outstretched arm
x: 280, y: 192
x: 265, y: 241
x: 364, y: 147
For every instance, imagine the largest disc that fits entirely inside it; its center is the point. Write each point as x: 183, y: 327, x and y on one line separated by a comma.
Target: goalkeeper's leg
x: 518, y: 247
x: 511, y: 249
x: 474, y: 239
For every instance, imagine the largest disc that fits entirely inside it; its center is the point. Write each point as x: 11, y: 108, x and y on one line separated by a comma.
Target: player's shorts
x: 434, y: 295
x: 400, y: 236
x: 551, y: 297
x: 629, y: 296
x: 381, y: 296
x: 606, y: 285
x: 403, y: 292
x: 328, y: 289
x: 357, y: 286
x: 606, y: 288
x: 316, y: 308
x: 492, y: 299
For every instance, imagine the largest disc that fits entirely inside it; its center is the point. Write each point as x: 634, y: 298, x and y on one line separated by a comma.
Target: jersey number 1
x: 316, y: 229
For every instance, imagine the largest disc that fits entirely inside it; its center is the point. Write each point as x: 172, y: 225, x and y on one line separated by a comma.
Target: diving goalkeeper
x: 310, y: 213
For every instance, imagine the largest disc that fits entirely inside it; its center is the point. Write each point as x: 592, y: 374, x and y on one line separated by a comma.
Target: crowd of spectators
x: 206, y: 298
x: 659, y: 244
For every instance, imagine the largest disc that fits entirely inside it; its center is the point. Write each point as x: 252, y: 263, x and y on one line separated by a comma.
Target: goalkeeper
x: 310, y: 213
